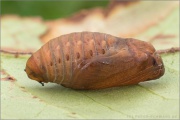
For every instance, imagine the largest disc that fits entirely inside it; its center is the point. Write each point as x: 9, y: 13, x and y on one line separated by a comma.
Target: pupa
x: 92, y: 60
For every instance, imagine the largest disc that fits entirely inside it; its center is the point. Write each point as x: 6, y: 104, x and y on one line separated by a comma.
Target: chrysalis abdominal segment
x: 91, y: 60
x: 63, y: 62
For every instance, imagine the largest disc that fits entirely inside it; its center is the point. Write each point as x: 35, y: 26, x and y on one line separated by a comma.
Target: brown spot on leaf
x: 22, y: 87
x: 34, y: 97
x: 73, y: 113
x: 8, y: 76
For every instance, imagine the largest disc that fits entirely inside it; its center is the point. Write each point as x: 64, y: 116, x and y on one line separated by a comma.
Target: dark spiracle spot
x: 51, y: 64
x: 103, y: 51
x: 59, y: 60
x: 91, y: 52
x: 43, y: 68
x: 67, y: 57
x: 77, y: 55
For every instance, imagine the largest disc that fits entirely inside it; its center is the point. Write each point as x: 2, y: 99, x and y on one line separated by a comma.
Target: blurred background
x: 49, y: 9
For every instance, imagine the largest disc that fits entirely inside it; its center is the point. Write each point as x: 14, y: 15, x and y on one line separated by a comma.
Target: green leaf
x: 21, y: 33
x: 23, y: 98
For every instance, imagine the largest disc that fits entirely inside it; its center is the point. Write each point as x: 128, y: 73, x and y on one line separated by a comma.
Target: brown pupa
x: 92, y: 60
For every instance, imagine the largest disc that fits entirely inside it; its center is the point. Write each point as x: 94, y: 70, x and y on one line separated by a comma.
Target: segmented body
x: 91, y: 60
x: 62, y: 55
